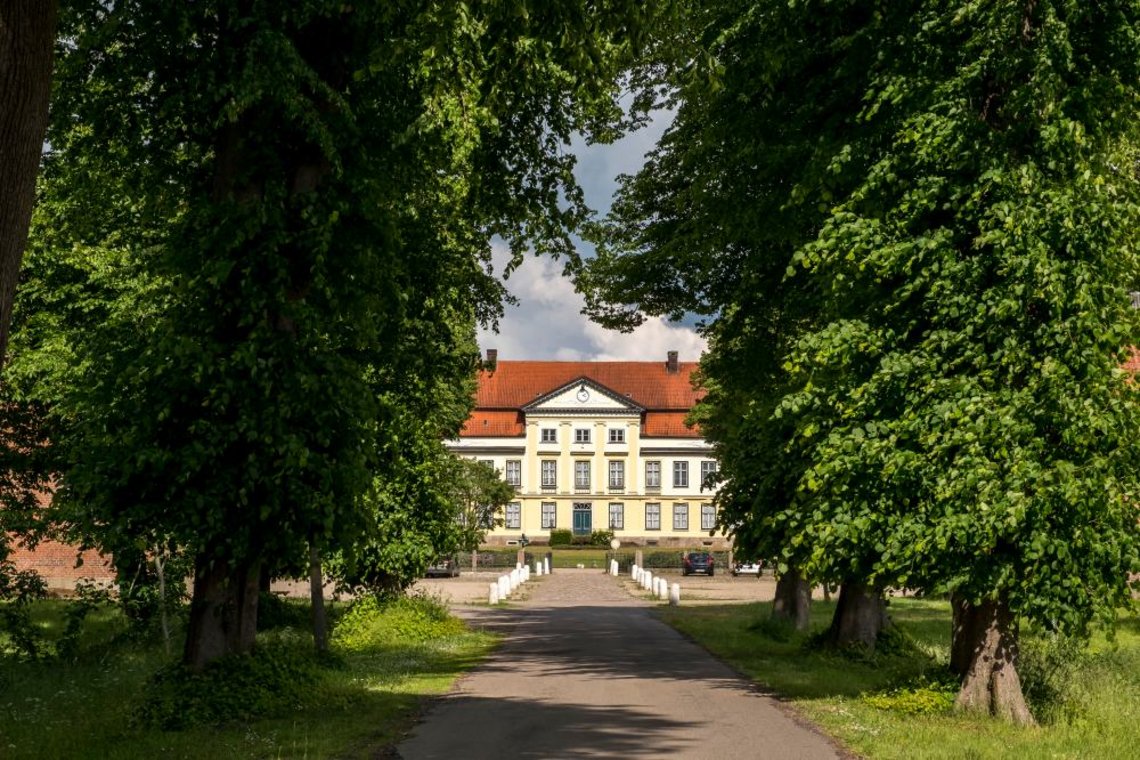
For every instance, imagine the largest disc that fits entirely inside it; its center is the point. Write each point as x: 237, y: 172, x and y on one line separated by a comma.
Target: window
x: 680, y: 517
x: 708, y: 517
x: 489, y: 462
x: 514, y: 473
x: 653, y: 517
x: 549, y: 473
x: 514, y: 515
x: 617, y: 516
x: 581, y: 435
x: 549, y: 435
x: 549, y: 515
x: 680, y: 474
x: 582, y: 475
x: 652, y: 474
x: 708, y: 467
x: 617, y: 435
x: 617, y: 475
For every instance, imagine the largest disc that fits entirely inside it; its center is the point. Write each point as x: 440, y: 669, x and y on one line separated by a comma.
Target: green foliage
x: 89, y: 597
x: 373, y: 621
x: 601, y: 537
x: 18, y: 591
x: 561, y: 537
x: 919, y: 700
x: 1048, y: 669
x: 915, y: 232
x: 270, y: 681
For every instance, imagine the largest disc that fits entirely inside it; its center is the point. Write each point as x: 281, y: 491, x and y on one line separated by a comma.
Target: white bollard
x: 515, y: 579
x: 504, y: 587
x: 493, y: 597
x: 537, y: 568
x: 518, y: 566
x: 675, y: 595
x: 633, y: 571
x: 546, y: 565
x: 664, y: 593
x: 647, y: 582
x: 613, y: 567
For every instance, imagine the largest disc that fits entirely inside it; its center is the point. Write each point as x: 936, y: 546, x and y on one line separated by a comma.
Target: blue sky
x: 547, y: 322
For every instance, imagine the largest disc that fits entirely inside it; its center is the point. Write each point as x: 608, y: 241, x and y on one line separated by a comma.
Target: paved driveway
x: 586, y: 671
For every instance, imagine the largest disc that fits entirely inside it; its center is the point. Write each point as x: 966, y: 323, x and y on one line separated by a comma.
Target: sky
x: 547, y: 322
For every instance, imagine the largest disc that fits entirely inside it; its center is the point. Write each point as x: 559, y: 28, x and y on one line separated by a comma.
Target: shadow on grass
x: 737, y: 634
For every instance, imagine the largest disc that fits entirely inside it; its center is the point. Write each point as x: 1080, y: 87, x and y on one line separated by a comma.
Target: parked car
x: 444, y: 567
x: 697, y: 562
x: 747, y: 568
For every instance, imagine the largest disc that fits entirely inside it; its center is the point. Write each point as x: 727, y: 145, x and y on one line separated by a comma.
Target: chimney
x: 671, y: 362
x: 492, y: 359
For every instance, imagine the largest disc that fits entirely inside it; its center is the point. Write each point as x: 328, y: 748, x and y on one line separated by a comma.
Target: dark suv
x: 697, y: 562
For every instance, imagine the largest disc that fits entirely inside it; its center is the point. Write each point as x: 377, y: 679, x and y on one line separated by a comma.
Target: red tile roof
x: 514, y: 384
x: 666, y: 396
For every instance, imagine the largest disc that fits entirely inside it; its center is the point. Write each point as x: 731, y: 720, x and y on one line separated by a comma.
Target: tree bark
x: 27, y: 37
x: 990, y: 684
x: 793, y: 600
x: 223, y: 612
x: 860, y: 615
x: 317, y: 600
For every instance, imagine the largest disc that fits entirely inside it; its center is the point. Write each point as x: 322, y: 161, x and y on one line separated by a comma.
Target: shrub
x: 415, y: 619
x: 269, y: 682
x: 918, y: 701
x: 1047, y: 669
x: 601, y: 538
x: 561, y: 537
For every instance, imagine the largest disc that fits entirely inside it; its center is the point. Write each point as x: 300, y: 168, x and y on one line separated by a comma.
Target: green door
x: 583, y: 519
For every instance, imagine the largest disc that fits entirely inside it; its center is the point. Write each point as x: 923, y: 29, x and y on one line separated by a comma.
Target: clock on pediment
x: 583, y: 395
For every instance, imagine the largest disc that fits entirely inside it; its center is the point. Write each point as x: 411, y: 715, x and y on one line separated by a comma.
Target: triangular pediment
x: 583, y: 395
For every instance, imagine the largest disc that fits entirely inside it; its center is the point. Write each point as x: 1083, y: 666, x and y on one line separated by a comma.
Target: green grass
x: 1099, y: 716
x: 84, y: 709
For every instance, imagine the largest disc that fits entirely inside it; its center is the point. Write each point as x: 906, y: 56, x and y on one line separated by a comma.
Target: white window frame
x: 513, y: 519
x: 708, y: 517
x: 681, y: 510
x: 617, y: 435
x: 549, y: 515
x: 617, y: 467
x: 582, y: 475
x: 549, y: 471
x: 513, y: 473
x: 653, y: 515
x: 617, y: 508
x: 581, y: 435
x: 680, y: 473
x: 653, y: 474
x: 549, y: 435
x: 708, y: 467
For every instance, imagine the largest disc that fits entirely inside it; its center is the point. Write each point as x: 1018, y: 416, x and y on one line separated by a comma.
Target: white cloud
x: 547, y: 323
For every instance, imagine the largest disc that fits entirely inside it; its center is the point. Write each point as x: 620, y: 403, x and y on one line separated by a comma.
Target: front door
x: 583, y: 518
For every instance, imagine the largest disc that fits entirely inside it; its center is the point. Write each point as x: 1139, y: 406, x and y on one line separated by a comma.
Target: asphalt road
x: 586, y: 671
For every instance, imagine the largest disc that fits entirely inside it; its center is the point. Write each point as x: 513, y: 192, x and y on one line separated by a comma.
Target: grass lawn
x: 1097, y: 716
x: 84, y: 709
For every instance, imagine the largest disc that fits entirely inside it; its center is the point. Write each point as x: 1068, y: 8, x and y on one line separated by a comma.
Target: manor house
x: 595, y: 446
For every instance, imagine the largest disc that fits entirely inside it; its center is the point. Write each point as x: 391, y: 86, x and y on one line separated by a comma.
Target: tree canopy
x: 305, y: 197
x: 915, y: 231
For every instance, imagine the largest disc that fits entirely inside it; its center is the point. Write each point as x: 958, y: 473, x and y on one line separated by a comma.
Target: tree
x: 27, y: 37
x: 310, y: 195
x: 953, y: 413
x: 479, y: 494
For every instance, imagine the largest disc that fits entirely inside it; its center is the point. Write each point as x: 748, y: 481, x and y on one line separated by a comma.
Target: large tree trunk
x: 27, y: 37
x: 223, y: 612
x: 860, y: 614
x: 317, y: 600
x: 990, y: 684
x: 793, y: 600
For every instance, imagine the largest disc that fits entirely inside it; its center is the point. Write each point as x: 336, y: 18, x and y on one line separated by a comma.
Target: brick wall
x: 56, y: 561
